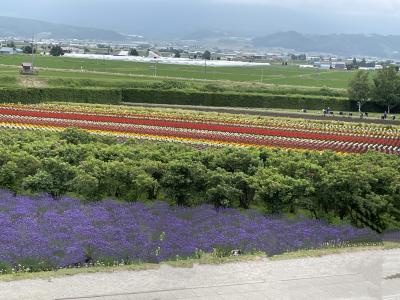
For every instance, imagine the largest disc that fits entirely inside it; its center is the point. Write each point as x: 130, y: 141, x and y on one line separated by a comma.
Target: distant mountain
x: 384, y: 46
x: 207, y: 34
x: 24, y: 28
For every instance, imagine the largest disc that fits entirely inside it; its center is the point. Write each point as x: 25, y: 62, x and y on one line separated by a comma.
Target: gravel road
x: 357, y: 275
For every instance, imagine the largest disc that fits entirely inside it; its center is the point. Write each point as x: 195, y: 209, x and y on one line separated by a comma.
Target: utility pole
x: 262, y: 74
x: 33, y: 52
x: 205, y: 68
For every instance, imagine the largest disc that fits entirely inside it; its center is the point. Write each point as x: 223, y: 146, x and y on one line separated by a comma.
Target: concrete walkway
x: 357, y: 275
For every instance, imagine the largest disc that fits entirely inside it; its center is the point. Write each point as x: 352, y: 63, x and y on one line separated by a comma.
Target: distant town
x: 190, y: 50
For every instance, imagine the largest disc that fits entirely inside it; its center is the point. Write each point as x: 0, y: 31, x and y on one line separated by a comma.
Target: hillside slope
x: 24, y: 28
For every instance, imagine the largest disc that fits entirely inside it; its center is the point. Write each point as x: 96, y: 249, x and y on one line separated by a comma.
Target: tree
x: 177, y: 54
x: 363, y: 63
x: 220, y: 190
x: 11, y: 44
x: 144, y: 184
x: 85, y: 185
x: 75, y: 136
x: 133, y: 52
x: 182, y: 180
x: 207, y: 55
x: 359, y: 88
x: 274, y: 190
x: 28, y: 50
x: 386, y: 88
x: 56, y: 51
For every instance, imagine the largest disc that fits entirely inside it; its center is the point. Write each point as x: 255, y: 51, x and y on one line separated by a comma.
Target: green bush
x: 235, y: 99
x: 80, y: 95
x: 5, y: 268
x: 171, y: 93
x: 361, y: 189
x: 169, y: 84
x: 8, y: 80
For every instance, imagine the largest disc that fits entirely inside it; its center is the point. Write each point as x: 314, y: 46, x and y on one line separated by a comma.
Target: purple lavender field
x: 392, y: 236
x: 42, y: 233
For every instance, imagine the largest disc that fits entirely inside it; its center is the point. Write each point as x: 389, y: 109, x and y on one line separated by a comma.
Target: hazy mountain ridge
x: 341, y: 44
x: 18, y: 27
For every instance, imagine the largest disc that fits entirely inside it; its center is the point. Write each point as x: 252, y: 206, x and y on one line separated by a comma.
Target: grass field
x: 275, y: 74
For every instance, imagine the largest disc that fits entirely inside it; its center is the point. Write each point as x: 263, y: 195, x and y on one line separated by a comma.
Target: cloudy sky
x: 179, y: 17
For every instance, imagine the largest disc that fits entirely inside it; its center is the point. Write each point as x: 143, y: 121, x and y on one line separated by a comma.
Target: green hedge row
x: 236, y: 99
x: 116, y: 96
x: 37, y: 95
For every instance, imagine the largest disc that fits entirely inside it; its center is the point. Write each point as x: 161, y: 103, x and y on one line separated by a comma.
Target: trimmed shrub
x: 179, y: 97
x: 236, y: 99
x: 37, y: 95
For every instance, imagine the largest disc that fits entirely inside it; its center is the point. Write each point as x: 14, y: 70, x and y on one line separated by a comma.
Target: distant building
x: 324, y: 65
x: 27, y: 69
x: 123, y: 53
x: 195, y: 55
x: 339, y: 65
x: 7, y: 51
x: 367, y: 68
x: 153, y: 55
x: 313, y: 58
x: 306, y: 67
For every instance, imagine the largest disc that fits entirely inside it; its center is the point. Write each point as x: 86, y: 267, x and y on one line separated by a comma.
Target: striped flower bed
x: 206, y: 129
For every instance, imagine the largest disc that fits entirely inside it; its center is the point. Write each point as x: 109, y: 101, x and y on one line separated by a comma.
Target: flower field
x: 40, y: 233
x: 208, y: 129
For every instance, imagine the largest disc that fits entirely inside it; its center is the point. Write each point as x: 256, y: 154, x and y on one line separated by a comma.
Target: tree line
x: 383, y: 88
x: 361, y: 189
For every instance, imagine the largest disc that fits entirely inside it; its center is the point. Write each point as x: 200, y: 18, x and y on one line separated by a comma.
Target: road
x: 357, y: 275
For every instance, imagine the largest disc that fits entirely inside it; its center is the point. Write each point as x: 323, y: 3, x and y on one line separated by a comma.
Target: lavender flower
x: 41, y: 233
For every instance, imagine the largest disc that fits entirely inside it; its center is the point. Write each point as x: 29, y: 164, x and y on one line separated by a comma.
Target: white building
x: 123, y: 53
x: 306, y: 66
x: 7, y: 51
x: 339, y: 65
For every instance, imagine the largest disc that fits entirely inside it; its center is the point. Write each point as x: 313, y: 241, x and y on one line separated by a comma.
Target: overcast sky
x: 179, y: 17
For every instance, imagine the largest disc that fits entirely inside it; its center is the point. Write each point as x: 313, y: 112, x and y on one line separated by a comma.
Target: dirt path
x: 31, y: 82
x: 256, y: 112
x: 357, y: 275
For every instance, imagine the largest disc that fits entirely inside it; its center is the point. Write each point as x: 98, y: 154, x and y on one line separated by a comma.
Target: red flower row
x: 363, y: 139
x: 216, y: 136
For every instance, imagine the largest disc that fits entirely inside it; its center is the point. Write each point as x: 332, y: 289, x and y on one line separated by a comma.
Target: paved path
x: 345, y: 276
x: 255, y: 112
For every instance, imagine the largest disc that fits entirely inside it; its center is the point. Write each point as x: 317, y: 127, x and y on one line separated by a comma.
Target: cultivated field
x: 275, y: 74
x: 204, y: 129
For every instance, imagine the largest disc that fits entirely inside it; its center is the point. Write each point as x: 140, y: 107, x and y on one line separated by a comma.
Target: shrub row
x: 37, y: 95
x: 178, y: 97
x: 235, y: 99
x: 324, y: 185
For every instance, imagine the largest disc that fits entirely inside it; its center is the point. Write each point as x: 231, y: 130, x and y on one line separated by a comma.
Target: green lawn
x: 275, y: 74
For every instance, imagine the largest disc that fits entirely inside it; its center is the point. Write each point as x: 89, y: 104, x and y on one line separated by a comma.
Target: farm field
x: 204, y: 129
x: 275, y: 74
